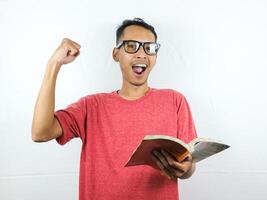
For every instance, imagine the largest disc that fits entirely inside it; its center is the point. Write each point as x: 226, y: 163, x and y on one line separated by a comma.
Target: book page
x: 204, y: 149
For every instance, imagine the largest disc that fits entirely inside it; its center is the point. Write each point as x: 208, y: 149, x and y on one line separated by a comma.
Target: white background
x: 214, y: 52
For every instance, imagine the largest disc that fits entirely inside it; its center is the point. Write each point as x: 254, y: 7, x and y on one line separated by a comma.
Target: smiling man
x: 111, y: 125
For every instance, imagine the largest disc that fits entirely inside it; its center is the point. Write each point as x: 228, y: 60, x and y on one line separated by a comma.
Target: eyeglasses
x: 132, y: 46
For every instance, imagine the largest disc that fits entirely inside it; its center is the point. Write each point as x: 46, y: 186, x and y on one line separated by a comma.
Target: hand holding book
x: 171, y: 168
x: 199, y: 148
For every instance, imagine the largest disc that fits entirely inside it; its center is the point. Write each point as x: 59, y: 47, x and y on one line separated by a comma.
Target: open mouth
x: 139, y: 69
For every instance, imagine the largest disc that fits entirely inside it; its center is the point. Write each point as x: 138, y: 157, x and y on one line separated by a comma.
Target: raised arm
x: 45, y: 126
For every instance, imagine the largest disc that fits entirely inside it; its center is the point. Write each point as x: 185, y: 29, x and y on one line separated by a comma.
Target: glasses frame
x: 122, y: 43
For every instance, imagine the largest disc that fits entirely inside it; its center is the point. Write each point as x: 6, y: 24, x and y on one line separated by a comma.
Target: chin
x: 139, y: 83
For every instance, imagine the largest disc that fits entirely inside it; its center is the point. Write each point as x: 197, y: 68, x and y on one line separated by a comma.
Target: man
x: 111, y: 125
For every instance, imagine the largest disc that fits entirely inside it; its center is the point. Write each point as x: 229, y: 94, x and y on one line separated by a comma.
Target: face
x: 135, y: 67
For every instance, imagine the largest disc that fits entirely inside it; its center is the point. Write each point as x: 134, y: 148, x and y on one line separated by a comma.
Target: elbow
x: 37, y: 139
x: 44, y: 133
x: 39, y: 136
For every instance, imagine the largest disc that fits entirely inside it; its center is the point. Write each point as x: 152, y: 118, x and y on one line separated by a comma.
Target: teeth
x: 140, y: 65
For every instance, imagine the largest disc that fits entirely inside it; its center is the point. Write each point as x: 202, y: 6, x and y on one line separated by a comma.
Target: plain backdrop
x: 213, y: 51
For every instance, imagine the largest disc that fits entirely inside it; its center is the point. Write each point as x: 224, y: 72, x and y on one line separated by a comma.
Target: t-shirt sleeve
x: 72, y: 121
x: 186, y: 130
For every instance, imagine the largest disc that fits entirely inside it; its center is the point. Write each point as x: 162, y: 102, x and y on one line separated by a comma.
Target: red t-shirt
x: 110, y: 128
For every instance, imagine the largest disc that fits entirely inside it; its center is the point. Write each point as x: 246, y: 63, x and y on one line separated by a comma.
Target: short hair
x: 136, y: 21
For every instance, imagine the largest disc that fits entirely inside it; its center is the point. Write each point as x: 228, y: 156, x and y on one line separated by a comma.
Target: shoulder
x: 168, y: 92
x: 170, y: 95
x: 96, y: 98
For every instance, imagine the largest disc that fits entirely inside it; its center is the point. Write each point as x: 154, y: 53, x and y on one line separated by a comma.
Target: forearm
x: 43, y: 118
x: 44, y: 125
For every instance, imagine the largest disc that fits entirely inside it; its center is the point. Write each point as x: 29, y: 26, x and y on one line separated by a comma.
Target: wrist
x: 53, y: 66
x: 52, y: 69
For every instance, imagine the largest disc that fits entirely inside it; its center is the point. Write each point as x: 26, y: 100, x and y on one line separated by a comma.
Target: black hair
x: 136, y: 21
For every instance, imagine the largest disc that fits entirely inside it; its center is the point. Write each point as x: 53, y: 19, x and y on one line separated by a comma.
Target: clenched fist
x: 67, y: 51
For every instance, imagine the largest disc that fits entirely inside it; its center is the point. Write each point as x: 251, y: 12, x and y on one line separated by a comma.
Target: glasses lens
x: 151, y: 48
x: 131, y: 46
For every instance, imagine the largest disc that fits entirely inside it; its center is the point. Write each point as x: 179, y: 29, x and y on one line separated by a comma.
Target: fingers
x: 164, y: 171
x: 71, y: 47
x: 78, y: 46
x: 177, y: 165
x: 164, y: 165
x: 170, y: 165
x: 73, y: 52
x: 69, y: 41
x: 67, y: 51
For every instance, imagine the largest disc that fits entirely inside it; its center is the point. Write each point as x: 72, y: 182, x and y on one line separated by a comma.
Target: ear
x: 115, y: 55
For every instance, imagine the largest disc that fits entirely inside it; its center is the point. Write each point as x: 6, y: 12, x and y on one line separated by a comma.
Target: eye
x: 151, y: 48
x: 147, y: 47
x: 131, y: 46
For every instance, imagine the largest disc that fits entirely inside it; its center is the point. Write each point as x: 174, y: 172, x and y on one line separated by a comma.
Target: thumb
x: 69, y: 59
x: 73, y: 52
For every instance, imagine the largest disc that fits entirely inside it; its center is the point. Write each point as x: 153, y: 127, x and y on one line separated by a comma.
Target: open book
x: 199, y: 148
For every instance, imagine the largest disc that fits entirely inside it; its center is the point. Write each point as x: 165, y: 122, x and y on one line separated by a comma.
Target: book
x: 199, y: 148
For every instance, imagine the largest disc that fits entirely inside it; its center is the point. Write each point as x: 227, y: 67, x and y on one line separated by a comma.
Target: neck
x: 131, y: 92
